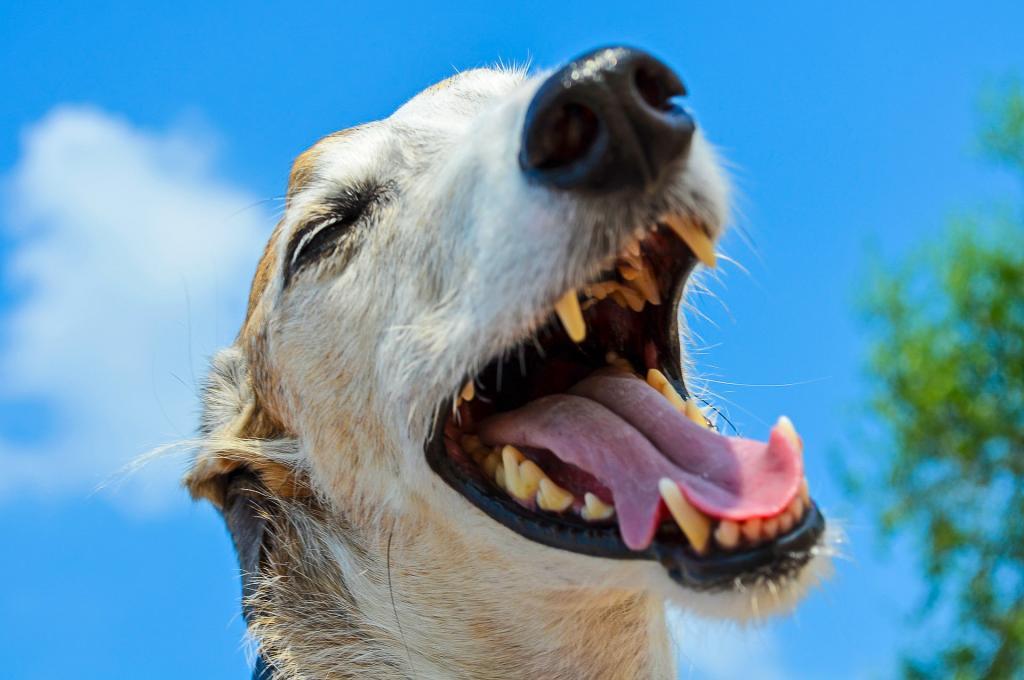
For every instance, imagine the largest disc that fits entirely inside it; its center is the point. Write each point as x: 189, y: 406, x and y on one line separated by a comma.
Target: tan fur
x: 375, y: 568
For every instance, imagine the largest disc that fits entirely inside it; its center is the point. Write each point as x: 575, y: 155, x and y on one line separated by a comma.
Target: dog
x: 454, y: 438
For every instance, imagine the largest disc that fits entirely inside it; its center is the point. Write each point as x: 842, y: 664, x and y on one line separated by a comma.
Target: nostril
x: 606, y: 121
x: 566, y: 137
x: 657, y: 87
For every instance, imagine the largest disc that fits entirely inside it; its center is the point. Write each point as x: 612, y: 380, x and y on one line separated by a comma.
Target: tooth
x: 492, y: 461
x: 628, y: 271
x: 670, y: 393
x: 510, y: 460
x: 468, y: 392
x: 530, y: 475
x: 511, y: 453
x: 552, y: 497
x: 805, y: 493
x: 618, y: 298
x: 600, y: 290
x: 499, y: 476
x: 595, y: 509
x: 613, y: 359
x: 634, y: 300
x: 770, y: 528
x: 658, y: 381
x: 633, y: 247
x: 645, y: 284
x: 786, y: 522
x: 472, y: 445
x: 752, y: 529
x: 694, y: 237
x: 727, y: 534
x: 694, y: 413
x: 692, y: 521
x: 571, y: 316
x: 787, y: 430
x: 796, y: 507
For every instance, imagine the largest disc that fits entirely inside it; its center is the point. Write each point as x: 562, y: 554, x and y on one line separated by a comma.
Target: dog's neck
x: 478, y: 626
x: 338, y: 599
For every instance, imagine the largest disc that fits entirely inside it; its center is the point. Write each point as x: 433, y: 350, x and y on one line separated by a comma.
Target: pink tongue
x: 622, y: 431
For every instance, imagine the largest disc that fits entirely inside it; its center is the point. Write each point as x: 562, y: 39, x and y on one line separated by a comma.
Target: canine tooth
x: 693, y: 236
x: 530, y: 475
x: 786, y: 522
x: 499, y: 477
x: 552, y: 497
x: 571, y: 316
x: 670, y: 393
x: 751, y: 529
x: 468, y: 391
x: 727, y: 534
x: 595, y: 509
x: 770, y: 528
x: 787, y: 430
x: 692, y: 521
x: 805, y: 493
x: 694, y: 413
x: 658, y: 381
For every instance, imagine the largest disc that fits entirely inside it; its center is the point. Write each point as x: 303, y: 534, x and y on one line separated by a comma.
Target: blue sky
x: 138, y: 143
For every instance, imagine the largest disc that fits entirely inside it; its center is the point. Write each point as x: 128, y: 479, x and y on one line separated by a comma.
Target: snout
x: 606, y: 121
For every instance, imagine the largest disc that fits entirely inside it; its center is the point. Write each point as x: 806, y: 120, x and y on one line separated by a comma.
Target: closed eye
x: 321, y: 236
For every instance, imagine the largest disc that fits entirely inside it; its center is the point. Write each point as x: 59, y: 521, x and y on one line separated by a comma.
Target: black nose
x: 606, y: 121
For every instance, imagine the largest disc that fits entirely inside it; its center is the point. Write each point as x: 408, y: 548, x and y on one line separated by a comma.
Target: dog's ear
x: 235, y: 432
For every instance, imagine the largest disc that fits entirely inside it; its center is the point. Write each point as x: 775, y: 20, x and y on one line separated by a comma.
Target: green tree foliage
x: 947, y: 375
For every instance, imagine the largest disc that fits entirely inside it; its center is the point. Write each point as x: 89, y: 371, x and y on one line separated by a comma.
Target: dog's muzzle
x: 583, y: 435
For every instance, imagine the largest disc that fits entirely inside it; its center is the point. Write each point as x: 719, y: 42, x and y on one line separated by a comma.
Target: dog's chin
x: 749, y: 600
x: 584, y: 438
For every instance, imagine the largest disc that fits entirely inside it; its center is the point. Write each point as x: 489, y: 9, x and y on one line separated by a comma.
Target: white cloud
x: 717, y: 650
x: 134, y: 260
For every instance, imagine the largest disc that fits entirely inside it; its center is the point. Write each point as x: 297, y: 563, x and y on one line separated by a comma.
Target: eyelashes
x: 314, y: 240
x: 321, y: 237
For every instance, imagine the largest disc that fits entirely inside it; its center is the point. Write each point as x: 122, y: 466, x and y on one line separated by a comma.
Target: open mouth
x: 585, y: 438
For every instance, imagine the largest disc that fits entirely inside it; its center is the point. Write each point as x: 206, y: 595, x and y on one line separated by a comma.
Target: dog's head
x: 467, y: 325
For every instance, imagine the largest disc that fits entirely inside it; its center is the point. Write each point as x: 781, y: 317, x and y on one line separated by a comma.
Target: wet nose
x: 606, y: 121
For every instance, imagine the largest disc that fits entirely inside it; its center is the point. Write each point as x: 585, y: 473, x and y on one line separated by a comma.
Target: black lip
x: 715, y: 572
